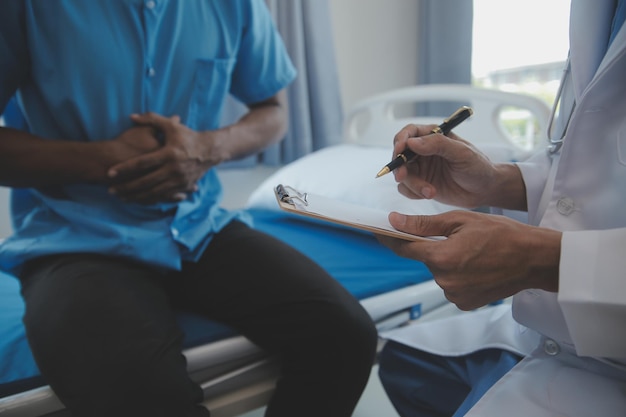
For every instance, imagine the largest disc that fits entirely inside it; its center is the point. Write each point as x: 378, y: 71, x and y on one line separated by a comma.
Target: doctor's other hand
x: 485, y: 257
x: 453, y: 171
x: 168, y: 173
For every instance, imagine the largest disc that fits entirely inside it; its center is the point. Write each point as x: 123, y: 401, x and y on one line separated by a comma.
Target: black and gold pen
x: 444, y: 128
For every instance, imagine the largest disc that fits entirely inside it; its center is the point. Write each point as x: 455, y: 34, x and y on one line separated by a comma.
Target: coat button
x: 565, y: 206
x: 551, y: 347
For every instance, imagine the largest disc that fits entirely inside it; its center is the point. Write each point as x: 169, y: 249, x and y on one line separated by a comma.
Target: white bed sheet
x: 347, y: 172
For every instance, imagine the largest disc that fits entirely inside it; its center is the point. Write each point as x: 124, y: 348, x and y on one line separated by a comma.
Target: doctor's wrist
x: 544, y: 255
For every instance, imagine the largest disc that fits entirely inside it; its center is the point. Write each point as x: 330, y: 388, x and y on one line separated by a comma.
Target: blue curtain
x: 444, y: 47
x: 315, y: 107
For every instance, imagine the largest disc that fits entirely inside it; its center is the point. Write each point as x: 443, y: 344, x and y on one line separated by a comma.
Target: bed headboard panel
x: 497, y: 116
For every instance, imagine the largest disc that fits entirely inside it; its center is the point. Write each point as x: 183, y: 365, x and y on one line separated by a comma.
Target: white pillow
x: 345, y: 172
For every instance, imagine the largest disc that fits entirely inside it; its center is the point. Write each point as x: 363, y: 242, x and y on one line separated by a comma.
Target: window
x: 520, y: 47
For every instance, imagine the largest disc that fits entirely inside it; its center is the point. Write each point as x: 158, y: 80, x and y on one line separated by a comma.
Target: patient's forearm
x: 30, y: 161
x: 263, y: 125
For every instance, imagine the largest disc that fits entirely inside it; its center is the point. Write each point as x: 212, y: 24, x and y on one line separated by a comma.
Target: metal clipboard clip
x: 290, y: 195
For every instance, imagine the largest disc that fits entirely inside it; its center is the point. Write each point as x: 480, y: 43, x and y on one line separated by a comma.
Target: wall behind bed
x: 376, y: 46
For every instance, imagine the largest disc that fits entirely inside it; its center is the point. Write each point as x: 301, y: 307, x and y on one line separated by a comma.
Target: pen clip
x: 457, y: 113
x: 453, y: 120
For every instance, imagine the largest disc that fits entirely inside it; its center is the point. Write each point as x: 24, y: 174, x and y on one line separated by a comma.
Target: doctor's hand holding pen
x: 485, y: 257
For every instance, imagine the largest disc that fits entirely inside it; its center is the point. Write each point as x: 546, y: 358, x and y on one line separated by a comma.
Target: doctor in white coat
x: 566, y: 269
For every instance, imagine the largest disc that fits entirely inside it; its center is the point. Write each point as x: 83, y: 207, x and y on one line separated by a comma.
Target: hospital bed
x: 236, y: 375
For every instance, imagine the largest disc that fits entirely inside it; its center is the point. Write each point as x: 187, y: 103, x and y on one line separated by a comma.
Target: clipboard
x: 339, y: 212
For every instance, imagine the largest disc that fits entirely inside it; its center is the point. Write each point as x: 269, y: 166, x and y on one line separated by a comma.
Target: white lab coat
x: 578, y: 365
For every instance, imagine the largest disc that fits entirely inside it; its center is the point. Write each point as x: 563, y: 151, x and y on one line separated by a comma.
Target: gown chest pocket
x: 212, y: 81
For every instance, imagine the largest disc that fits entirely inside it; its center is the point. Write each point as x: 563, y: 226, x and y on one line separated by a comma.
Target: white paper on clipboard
x: 341, y: 212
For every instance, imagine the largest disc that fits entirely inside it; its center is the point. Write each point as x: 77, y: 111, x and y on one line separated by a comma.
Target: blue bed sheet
x: 355, y: 258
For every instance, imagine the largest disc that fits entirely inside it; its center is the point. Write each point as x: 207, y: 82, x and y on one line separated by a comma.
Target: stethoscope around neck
x: 562, y: 110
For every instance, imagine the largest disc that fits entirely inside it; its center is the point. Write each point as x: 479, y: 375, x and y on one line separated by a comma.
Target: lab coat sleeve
x: 592, y: 289
x: 466, y: 332
x: 535, y: 171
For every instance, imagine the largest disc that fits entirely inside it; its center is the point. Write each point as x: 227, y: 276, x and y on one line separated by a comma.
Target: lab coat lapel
x: 590, y: 23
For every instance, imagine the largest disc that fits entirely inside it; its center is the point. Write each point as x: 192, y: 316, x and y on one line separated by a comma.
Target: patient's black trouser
x: 104, y: 336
